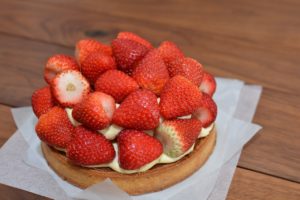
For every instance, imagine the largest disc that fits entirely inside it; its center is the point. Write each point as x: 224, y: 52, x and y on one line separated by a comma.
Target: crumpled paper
x: 22, y: 164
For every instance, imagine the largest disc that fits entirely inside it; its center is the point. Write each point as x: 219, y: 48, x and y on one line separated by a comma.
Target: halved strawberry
x: 178, y: 135
x: 137, y: 149
x: 116, y: 83
x: 188, y: 68
x: 134, y: 37
x: 42, y: 101
x: 54, y: 128
x: 151, y: 72
x: 57, y: 64
x: 69, y: 88
x: 89, y: 148
x: 95, y: 111
x: 179, y: 97
x: 139, y: 110
x: 95, y: 64
x: 86, y: 46
x: 208, y: 84
x: 169, y: 52
x: 127, y: 53
x: 207, y: 112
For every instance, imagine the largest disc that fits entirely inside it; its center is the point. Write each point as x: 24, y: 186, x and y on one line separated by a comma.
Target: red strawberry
x: 188, y: 68
x: 134, y: 37
x: 57, y: 64
x: 95, y: 64
x: 207, y: 112
x: 95, y: 111
x: 169, y: 51
x: 208, y: 84
x: 127, y: 53
x: 151, y: 72
x: 139, y: 110
x: 86, y: 46
x: 137, y: 149
x: 69, y: 87
x: 54, y: 128
x: 42, y: 101
x: 178, y: 135
x: 179, y: 97
x: 117, y: 84
x: 89, y: 148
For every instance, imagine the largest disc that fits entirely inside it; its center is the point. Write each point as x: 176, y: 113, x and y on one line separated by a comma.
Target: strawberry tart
x: 140, y: 115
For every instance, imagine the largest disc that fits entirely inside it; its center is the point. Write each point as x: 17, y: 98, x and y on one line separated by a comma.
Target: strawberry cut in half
x: 188, y: 68
x: 207, y: 112
x: 208, y: 84
x: 42, y: 101
x: 54, y: 128
x: 95, y: 111
x: 179, y: 97
x: 178, y: 135
x: 169, y: 52
x: 95, y: 64
x: 127, y: 53
x: 89, y: 148
x: 117, y: 84
x: 137, y: 149
x: 151, y: 72
x: 69, y: 88
x: 134, y: 37
x: 86, y: 46
x: 57, y: 64
x: 139, y: 110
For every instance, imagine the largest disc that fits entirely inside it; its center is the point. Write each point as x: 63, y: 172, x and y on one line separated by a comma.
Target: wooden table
x: 256, y: 41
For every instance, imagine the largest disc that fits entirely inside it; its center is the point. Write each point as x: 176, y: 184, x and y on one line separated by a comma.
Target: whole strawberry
x: 139, y: 110
x: 127, y: 53
x: 179, y: 97
x: 137, y: 149
x: 169, y: 52
x: 207, y: 112
x: 95, y: 111
x: 151, y: 72
x: 134, y: 37
x: 178, y: 135
x: 86, y: 46
x: 58, y: 63
x: 188, y: 68
x: 69, y: 88
x: 208, y: 84
x: 95, y: 64
x: 117, y: 84
x: 42, y: 101
x: 89, y: 148
x: 54, y: 128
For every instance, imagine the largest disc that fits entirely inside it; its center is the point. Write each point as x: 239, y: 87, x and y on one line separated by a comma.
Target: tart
x: 139, y: 115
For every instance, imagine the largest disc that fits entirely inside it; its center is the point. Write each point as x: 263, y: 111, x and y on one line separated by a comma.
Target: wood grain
x: 10, y: 193
x: 278, y: 139
x: 256, y: 41
x: 248, y: 47
x: 22, y: 62
x: 247, y: 184
x: 276, y: 150
x: 7, y: 125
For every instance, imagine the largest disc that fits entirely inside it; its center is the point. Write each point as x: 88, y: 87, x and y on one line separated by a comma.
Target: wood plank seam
x: 268, y: 174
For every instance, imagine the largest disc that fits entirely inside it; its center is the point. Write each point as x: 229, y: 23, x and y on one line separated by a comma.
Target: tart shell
x: 157, y: 178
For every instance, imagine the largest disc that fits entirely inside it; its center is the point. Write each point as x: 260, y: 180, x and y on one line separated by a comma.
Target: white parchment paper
x: 22, y: 164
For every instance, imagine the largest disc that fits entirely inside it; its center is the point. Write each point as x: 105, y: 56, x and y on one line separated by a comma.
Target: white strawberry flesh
x: 70, y: 87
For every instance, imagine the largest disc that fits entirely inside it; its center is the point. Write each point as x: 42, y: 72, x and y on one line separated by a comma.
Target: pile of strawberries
x: 130, y: 84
